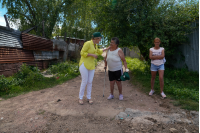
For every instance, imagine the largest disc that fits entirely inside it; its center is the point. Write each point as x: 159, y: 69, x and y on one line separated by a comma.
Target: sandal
x: 90, y: 101
x: 80, y: 101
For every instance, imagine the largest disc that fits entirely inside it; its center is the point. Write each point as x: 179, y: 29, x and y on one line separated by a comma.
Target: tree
x: 78, y: 19
x: 30, y: 13
x: 138, y: 22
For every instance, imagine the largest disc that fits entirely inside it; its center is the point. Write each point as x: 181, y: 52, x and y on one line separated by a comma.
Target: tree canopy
x: 134, y: 22
x: 30, y: 13
x: 137, y: 23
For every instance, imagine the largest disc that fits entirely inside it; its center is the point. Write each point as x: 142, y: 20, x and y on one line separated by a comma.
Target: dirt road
x: 42, y: 111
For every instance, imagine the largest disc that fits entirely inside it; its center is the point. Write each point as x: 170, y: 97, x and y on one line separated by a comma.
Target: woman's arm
x: 157, y: 57
x: 93, y: 55
x: 99, y: 51
x: 106, y: 49
x: 84, y: 51
x: 121, y: 55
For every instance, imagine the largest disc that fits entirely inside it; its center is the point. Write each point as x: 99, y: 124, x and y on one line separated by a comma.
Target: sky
x: 2, y: 20
x: 2, y: 12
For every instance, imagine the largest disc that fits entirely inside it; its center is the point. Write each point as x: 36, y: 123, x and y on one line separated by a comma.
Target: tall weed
x: 64, y: 68
x: 180, y: 84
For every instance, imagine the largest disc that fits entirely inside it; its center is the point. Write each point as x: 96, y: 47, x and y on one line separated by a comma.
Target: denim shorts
x: 156, y: 68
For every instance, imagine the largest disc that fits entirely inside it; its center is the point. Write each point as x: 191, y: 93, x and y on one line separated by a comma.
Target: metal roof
x: 33, y: 42
x: 10, y: 38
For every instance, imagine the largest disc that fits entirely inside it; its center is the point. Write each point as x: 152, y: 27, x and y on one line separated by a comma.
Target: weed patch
x: 29, y: 78
x: 179, y: 84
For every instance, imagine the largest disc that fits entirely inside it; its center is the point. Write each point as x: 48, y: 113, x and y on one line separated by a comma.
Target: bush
x: 4, y: 84
x: 27, y: 76
x: 64, y: 68
x: 179, y: 83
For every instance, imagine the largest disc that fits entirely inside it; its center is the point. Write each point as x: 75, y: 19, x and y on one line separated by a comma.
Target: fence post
x: 65, y: 36
x: 75, y: 46
x: 43, y: 28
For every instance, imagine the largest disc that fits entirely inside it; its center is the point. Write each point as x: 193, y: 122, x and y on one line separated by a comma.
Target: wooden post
x: 75, y: 45
x: 43, y: 28
x: 7, y: 24
x: 65, y: 36
x: 69, y: 40
x: 69, y: 55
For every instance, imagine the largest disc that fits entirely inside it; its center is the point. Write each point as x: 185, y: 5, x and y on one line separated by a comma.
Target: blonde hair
x: 157, y: 39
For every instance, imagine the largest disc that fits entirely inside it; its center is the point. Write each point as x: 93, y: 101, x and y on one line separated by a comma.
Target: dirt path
x: 40, y: 111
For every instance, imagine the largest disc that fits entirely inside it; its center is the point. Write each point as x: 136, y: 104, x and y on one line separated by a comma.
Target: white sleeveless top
x: 157, y: 52
x: 113, y: 60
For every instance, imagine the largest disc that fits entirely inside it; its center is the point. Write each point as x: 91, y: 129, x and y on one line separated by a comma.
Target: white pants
x: 87, y: 78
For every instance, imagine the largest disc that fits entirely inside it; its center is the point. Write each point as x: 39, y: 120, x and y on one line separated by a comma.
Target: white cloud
x: 3, y: 23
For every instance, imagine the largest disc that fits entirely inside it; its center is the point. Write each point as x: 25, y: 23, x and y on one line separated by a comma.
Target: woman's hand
x: 127, y: 70
x: 106, y: 49
x: 95, y: 56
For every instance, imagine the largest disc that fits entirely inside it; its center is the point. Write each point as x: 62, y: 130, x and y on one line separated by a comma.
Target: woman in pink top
x: 157, y: 56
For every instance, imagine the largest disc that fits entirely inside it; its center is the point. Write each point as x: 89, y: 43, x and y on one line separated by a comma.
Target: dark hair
x: 116, y: 40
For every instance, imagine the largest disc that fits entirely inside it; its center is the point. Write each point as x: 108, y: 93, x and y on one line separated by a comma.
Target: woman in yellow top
x: 89, y: 53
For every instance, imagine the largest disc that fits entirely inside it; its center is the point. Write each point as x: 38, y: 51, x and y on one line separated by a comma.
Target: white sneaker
x: 163, y: 95
x: 120, y: 97
x: 110, y: 97
x: 151, y: 92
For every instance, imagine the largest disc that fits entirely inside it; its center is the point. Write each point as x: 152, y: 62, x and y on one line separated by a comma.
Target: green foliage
x: 4, y: 84
x: 137, y: 23
x: 100, y: 58
x: 64, y: 68
x: 29, y: 78
x: 78, y: 20
x: 28, y: 13
x: 179, y: 84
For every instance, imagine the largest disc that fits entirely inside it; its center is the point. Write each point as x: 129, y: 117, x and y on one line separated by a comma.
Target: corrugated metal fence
x: 33, y: 50
x: 190, y: 51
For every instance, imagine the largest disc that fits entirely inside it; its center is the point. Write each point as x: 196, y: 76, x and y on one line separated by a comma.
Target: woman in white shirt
x: 157, y: 56
x: 114, y: 58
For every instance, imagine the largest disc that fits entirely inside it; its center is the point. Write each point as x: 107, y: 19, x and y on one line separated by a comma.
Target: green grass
x: 179, y: 84
x: 30, y: 79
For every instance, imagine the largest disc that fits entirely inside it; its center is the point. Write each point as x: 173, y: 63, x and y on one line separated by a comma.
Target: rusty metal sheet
x: 59, y: 45
x: 73, y: 47
x: 10, y: 38
x: 14, y: 55
x: 32, y: 42
x: 9, y: 69
x: 46, y: 55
